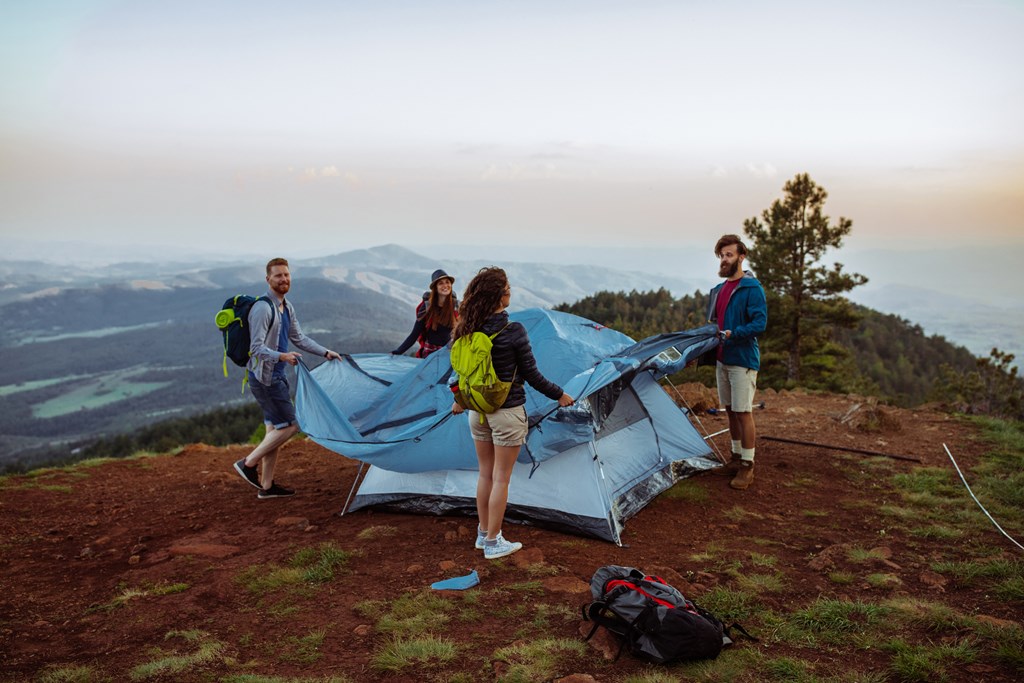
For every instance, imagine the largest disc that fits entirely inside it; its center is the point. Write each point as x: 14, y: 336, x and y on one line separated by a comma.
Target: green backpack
x: 479, y: 386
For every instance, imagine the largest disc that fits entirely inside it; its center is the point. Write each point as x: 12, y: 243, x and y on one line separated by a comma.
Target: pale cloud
x: 719, y: 171
x: 536, y: 170
x: 764, y: 170
x: 330, y: 172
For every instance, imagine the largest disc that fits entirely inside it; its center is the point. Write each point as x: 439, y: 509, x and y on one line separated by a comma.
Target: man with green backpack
x: 272, y: 326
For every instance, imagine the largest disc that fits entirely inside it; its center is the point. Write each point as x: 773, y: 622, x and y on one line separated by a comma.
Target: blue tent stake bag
x: 652, y: 618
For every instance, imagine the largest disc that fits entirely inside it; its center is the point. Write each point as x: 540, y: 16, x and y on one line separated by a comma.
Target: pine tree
x: 803, y: 297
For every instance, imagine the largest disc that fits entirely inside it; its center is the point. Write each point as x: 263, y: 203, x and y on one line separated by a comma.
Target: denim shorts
x: 505, y: 426
x: 736, y: 387
x: 275, y: 400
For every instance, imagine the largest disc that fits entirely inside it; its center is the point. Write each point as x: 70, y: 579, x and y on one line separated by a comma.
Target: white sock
x: 747, y: 454
x: 736, y: 446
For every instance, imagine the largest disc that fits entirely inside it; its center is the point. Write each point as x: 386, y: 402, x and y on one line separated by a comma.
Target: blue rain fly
x: 394, y: 412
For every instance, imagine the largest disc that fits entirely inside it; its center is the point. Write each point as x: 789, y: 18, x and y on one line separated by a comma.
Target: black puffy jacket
x: 512, y: 355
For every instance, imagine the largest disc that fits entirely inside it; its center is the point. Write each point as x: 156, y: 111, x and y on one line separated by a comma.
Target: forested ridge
x: 882, y: 355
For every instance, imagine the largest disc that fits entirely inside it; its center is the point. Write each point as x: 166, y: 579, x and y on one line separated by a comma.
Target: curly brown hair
x: 480, y: 300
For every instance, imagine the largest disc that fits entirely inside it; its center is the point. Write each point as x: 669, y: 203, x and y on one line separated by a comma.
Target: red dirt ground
x: 188, y: 518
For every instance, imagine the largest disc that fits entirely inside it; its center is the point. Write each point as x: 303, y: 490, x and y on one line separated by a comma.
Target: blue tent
x: 586, y: 468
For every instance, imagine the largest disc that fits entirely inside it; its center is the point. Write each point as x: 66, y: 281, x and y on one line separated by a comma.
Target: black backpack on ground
x: 652, y: 618
x: 233, y: 321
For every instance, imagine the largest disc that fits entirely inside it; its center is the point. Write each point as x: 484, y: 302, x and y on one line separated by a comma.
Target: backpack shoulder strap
x: 500, y: 331
x: 273, y: 308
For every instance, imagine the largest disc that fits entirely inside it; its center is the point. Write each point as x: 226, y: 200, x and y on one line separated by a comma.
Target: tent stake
x: 840, y: 448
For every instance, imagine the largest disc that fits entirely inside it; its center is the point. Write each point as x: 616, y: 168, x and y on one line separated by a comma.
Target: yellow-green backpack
x: 479, y: 385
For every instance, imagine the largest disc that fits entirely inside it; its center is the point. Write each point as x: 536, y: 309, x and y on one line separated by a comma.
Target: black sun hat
x: 440, y: 275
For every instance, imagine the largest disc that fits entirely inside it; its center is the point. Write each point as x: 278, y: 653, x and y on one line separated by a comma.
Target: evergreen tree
x: 804, y: 301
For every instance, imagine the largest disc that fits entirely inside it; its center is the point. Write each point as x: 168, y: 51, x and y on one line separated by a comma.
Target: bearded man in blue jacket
x: 739, y: 308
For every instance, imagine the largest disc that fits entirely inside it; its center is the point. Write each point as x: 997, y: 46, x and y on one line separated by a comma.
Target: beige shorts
x: 736, y: 387
x: 505, y: 426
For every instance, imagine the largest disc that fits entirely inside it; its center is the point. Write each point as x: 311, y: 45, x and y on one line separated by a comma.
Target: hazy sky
x: 210, y: 123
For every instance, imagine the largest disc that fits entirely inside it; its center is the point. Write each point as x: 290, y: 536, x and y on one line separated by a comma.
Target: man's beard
x: 727, y: 271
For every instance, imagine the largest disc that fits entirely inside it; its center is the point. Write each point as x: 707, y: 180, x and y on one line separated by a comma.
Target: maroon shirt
x: 722, y: 303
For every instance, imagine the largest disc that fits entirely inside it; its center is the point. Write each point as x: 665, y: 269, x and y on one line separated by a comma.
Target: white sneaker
x: 501, y: 548
x: 480, y: 536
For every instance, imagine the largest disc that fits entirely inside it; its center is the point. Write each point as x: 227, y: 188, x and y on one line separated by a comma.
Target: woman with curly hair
x: 498, y: 436
x: 435, y: 317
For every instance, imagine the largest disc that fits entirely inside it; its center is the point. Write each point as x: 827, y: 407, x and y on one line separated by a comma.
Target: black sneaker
x: 275, y: 491
x: 248, y: 473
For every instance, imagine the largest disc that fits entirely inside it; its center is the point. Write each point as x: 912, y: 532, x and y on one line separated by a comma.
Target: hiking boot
x: 480, y: 537
x: 744, y: 475
x: 500, y: 548
x: 729, y: 468
x: 248, y: 473
x: 275, y: 491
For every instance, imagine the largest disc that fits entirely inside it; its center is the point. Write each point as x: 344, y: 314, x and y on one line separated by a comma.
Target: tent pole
x: 352, y: 490
x: 707, y: 436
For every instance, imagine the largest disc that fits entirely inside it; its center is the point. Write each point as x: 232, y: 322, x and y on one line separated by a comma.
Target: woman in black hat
x: 435, y: 317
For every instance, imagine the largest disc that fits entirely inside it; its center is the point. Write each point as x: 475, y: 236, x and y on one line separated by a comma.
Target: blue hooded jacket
x: 747, y: 316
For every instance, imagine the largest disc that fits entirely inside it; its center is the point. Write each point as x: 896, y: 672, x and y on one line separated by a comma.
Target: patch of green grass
x: 538, y: 660
x: 303, y: 649
x: 282, y: 610
x: 842, y: 578
x: 760, y: 583
x: 933, y: 481
x: 1011, y: 589
x: 937, y: 531
x: 900, y: 512
x: 308, y: 567
x: 526, y: 588
x: 73, y: 673
x: 859, y: 555
x: 931, y: 616
x: 814, y: 513
x: 787, y: 669
x: 371, y: 533
x: 928, y: 663
x: 835, y: 621
x: 541, y: 569
x: 801, y: 482
x: 1008, y: 642
x: 967, y: 572
x: 688, y: 491
x: 711, y: 551
x: 168, y: 663
x: 127, y: 594
x: 422, y: 653
x: 410, y: 614
x: 883, y: 580
x: 319, y: 563
x: 761, y: 560
x: 728, y: 605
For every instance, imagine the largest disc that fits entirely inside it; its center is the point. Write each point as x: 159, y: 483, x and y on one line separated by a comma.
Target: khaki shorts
x: 505, y: 426
x: 736, y: 387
